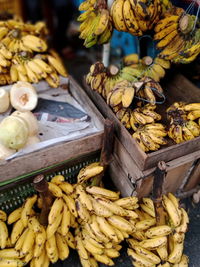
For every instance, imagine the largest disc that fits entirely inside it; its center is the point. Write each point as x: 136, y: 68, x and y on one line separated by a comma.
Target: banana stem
x: 40, y: 184
x: 159, y: 176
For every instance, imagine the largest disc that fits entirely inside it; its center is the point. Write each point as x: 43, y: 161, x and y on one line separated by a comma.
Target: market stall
x: 99, y: 171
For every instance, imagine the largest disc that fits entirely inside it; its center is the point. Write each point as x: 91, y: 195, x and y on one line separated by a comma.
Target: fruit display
x: 178, y: 37
x: 183, y: 126
x: 96, y: 26
x: 94, y: 221
x: 24, y: 54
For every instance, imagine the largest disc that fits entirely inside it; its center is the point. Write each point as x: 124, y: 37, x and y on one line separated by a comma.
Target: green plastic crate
x: 15, y: 191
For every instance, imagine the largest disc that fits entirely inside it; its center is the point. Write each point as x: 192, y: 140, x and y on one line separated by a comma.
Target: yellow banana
x: 3, y: 234
x: 145, y: 224
x: 26, y: 209
x: 34, y: 225
x: 106, y: 228
x: 28, y: 242
x: 163, y: 252
x: 143, y: 260
x: 51, y: 249
x: 103, y: 259
x: 3, y: 216
x: 56, y: 209
x: 82, y: 211
x: 80, y: 247
x: 161, y: 230
x: 34, y: 43
x: 83, y: 197
x: 65, y: 223
x: 183, y: 262
x: 89, y: 172
x: 55, y: 189
x: 143, y: 252
x: 63, y: 250
x: 57, y: 64
x: 11, y: 263
x: 126, y: 201
x: 17, y: 231
x: 97, y: 231
x: 172, y: 211
x: 182, y: 228
x: 176, y: 254
x: 120, y: 223
x: 99, y: 209
x: 103, y: 22
x: 71, y: 204
x: 58, y: 179
x: 70, y: 240
x: 52, y: 228
x: 40, y: 239
x: 153, y: 243
x: 99, y: 191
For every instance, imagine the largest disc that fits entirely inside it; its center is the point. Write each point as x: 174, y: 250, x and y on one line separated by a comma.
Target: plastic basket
x: 15, y: 191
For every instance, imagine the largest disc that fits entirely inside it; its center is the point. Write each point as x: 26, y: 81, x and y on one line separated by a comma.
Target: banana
x: 126, y: 201
x: 17, y: 231
x: 28, y: 242
x: 99, y: 191
x: 178, y: 134
x: 120, y: 223
x: 117, y: 15
x: 39, y: 260
x: 171, y: 210
x: 82, y: 252
x: 83, y: 197
x: 52, y: 228
x: 111, y: 253
x: 55, y: 190
x: 157, y: 231
x: 58, y: 179
x: 163, y: 23
x: 164, y: 33
x: 34, y: 43
x: 84, y: 6
x: 193, y: 115
x: 192, y: 106
x: 51, y: 249
x: 65, y: 223
x: 83, y: 212
x: 143, y: 252
x: 114, y: 208
x: 183, y: 262
x: 99, y: 209
x: 3, y: 32
x: 153, y: 243
x: 182, y: 228
x: 103, y: 259
x: 176, y: 254
x: 70, y: 240
x: 148, y: 210
x: 11, y: 263
x: 103, y: 22
x: 57, y: 64
x: 3, y: 234
x: 163, y: 252
x: 31, y: 75
x: 34, y: 225
x: 63, y: 249
x: 178, y: 237
x: 139, y: 235
x: 13, y: 73
x: 20, y: 241
x: 56, y: 210
x: 88, y: 238
x: 66, y: 187
x: 187, y: 134
x: 89, y: 171
x: 40, y: 239
x: 106, y: 228
x: 130, y: 21
x: 142, y: 260
x: 128, y: 96
x: 97, y: 231
x: 3, y: 216
x: 193, y: 128
x: 145, y: 224
x: 91, y: 248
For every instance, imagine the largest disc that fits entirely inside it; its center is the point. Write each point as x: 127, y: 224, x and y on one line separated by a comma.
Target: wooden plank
x: 175, y: 177
x: 120, y: 179
x: 49, y: 156
x: 194, y: 178
x: 144, y: 188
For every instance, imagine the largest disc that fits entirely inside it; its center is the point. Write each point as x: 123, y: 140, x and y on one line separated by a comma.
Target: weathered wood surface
x: 62, y: 151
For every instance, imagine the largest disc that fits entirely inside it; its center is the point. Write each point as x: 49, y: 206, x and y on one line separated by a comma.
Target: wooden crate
x: 182, y: 178
x: 178, y: 88
x: 58, y: 153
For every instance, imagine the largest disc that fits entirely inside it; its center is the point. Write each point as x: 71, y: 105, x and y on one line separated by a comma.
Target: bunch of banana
x: 159, y: 245
x: 135, y: 17
x: 137, y: 117
x: 27, y: 68
x: 96, y: 26
x: 182, y: 125
x: 150, y: 136
x: 131, y: 60
x: 166, y: 5
x: 148, y: 89
x: 178, y: 37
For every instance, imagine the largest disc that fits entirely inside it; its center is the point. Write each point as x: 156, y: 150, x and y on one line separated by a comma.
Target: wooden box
x: 178, y: 88
x: 61, y: 152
